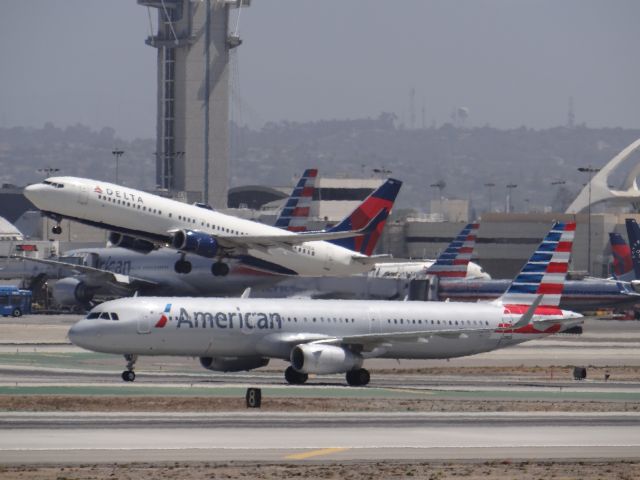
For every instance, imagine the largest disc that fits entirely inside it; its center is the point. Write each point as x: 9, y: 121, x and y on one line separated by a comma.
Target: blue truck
x: 14, y: 301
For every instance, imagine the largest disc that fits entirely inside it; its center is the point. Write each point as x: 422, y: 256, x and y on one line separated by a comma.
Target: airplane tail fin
x: 633, y: 232
x: 372, y: 208
x: 545, y: 272
x: 294, y: 215
x: 454, y: 260
x: 622, y: 263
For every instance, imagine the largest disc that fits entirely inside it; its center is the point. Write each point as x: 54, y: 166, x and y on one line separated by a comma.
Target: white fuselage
x: 271, y: 328
x: 144, y: 215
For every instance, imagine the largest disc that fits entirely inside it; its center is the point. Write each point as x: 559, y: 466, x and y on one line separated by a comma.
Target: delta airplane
x: 143, y: 221
x: 116, y: 271
x: 333, y: 336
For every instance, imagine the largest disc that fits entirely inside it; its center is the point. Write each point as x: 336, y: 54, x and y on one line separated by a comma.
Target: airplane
x: 117, y: 271
x: 622, y: 261
x: 390, y: 281
x: 582, y: 295
x: 143, y: 221
x: 334, y: 336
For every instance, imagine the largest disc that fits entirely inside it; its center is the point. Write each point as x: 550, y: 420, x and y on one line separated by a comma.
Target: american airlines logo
x: 222, y: 320
x: 120, y: 194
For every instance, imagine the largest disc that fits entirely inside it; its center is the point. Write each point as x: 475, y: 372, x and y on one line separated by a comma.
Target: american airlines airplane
x: 142, y: 221
x: 334, y: 336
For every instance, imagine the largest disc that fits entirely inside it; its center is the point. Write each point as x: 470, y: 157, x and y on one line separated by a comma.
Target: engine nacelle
x: 310, y: 358
x: 71, y: 291
x: 131, y: 243
x: 232, y: 364
x: 200, y: 243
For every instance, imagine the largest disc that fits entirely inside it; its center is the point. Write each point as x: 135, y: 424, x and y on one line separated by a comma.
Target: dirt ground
x: 39, y: 403
x: 497, y: 470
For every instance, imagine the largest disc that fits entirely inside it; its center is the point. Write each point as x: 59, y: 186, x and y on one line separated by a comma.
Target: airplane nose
x: 34, y: 193
x: 80, y: 335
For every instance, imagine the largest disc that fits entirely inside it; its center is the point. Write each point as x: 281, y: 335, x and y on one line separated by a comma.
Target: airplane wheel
x: 182, y: 266
x: 294, y: 377
x: 358, y: 378
x: 220, y: 269
x: 56, y: 229
x: 128, y: 376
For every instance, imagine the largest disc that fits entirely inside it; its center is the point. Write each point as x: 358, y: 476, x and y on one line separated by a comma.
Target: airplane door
x: 83, y: 196
x: 144, y: 323
x: 374, y: 323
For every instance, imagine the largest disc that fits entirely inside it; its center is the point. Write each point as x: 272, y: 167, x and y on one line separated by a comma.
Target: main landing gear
x: 220, y: 269
x: 129, y: 375
x: 356, y: 378
x: 182, y: 266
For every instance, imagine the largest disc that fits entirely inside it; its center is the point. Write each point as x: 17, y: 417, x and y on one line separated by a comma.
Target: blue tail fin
x: 545, y: 272
x: 294, y: 215
x: 454, y: 260
x: 622, y: 262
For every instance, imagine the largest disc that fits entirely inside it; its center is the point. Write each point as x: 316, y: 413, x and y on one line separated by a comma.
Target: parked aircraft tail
x: 381, y: 200
x: 453, y: 262
x: 545, y: 272
x: 633, y: 232
x: 294, y: 215
x: 623, y: 268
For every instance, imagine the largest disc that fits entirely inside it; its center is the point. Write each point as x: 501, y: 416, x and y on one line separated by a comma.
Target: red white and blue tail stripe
x: 294, y: 216
x: 545, y: 272
x: 453, y: 262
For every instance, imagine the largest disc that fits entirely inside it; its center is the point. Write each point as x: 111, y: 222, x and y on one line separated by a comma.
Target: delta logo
x: 98, y: 190
x: 163, y: 319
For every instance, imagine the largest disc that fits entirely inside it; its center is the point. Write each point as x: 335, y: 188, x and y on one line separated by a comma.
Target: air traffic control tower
x: 193, y: 42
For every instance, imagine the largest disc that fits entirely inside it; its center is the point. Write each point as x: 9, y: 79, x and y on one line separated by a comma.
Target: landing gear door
x: 144, y: 323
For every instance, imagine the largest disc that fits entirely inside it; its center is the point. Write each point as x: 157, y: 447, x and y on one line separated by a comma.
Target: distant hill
x: 465, y: 158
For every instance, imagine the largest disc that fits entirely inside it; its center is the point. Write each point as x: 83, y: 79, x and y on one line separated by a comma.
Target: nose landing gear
x: 129, y: 375
x: 56, y: 229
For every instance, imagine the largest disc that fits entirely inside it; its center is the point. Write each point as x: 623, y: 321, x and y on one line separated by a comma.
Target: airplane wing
x: 287, y: 240
x: 96, y: 274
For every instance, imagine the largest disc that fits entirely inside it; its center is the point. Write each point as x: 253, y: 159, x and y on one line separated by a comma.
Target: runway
x: 36, y: 360
x: 99, y: 438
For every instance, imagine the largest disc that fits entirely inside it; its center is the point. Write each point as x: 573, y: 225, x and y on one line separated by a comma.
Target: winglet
x: 246, y: 293
x: 525, y: 319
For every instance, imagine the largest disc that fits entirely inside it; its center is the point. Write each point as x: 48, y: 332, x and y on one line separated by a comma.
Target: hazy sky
x: 511, y: 63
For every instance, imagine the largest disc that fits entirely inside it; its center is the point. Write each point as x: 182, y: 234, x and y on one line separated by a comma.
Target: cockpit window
x: 93, y: 315
x: 105, y: 316
x: 114, y: 316
x: 53, y: 184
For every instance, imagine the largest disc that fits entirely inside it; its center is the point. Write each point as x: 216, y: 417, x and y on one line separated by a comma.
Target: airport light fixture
x: 48, y: 171
x: 117, y: 153
x: 590, y: 170
x: 490, y: 186
x: 510, y: 187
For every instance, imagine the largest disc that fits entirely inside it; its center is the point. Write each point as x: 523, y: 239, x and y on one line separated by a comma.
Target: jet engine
x: 71, y: 291
x: 200, y: 243
x: 131, y: 243
x: 310, y: 358
x: 232, y: 364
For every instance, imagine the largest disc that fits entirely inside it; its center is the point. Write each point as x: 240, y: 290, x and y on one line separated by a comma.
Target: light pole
x: 510, y: 187
x: 590, y: 170
x: 490, y: 186
x: 117, y: 153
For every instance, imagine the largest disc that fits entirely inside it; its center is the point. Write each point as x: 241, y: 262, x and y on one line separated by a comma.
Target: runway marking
x: 315, y: 453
